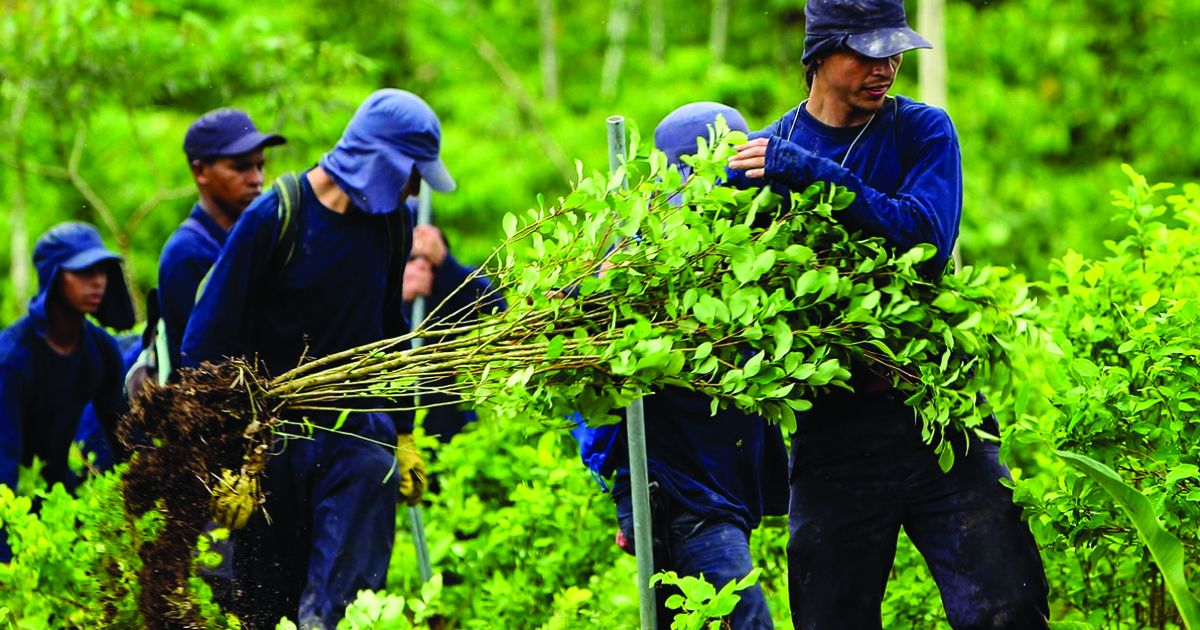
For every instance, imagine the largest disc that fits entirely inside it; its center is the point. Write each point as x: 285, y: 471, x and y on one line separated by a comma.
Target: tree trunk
x: 657, y: 28
x: 931, y: 64
x: 614, y: 57
x: 718, y: 35
x: 549, y: 51
x: 19, y: 261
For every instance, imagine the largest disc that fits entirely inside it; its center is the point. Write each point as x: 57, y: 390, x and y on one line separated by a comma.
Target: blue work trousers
x: 331, y: 502
x: 860, y: 472
x: 690, y: 544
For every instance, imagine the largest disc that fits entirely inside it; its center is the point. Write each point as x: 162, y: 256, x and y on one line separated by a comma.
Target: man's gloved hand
x: 234, y: 499
x: 412, y: 469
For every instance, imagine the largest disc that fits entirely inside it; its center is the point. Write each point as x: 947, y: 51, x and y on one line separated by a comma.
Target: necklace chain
x: 845, y: 157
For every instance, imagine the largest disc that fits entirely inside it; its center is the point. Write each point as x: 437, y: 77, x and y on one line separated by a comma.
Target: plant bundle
x: 752, y: 299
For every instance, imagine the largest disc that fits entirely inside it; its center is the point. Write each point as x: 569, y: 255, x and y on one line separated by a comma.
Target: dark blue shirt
x: 186, y: 258
x: 331, y: 296
x: 729, y: 467
x: 905, y: 170
x: 42, y: 394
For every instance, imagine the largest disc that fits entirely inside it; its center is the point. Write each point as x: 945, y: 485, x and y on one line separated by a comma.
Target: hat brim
x: 435, y: 173
x: 886, y: 42
x: 89, y: 257
x: 248, y: 143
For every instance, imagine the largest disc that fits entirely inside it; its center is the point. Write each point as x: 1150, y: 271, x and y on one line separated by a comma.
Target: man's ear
x: 198, y: 167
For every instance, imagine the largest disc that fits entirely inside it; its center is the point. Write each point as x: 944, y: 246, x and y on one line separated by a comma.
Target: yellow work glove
x: 234, y: 499
x: 412, y: 469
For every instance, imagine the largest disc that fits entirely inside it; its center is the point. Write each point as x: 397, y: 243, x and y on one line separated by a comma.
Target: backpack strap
x: 399, y: 231
x: 194, y: 226
x: 287, y: 188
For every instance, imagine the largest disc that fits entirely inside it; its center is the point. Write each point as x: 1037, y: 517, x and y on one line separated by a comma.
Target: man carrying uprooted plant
x: 54, y: 361
x: 860, y: 470
x: 712, y: 477
x: 324, y: 279
x: 225, y: 153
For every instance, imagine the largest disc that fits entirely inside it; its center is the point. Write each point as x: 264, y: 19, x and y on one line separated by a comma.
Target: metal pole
x: 635, y: 425
x: 415, y: 520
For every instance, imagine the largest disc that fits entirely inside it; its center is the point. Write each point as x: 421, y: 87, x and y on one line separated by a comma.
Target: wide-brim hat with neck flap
x: 75, y: 246
x: 392, y: 131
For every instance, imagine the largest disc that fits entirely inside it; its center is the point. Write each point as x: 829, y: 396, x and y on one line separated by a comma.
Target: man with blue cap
x: 712, y: 477
x: 331, y: 498
x: 860, y: 470
x: 225, y: 154
x: 54, y: 361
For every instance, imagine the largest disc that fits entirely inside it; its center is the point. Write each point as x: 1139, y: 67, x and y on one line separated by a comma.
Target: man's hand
x: 234, y: 499
x: 412, y: 469
x: 428, y: 243
x: 418, y: 279
x: 751, y: 157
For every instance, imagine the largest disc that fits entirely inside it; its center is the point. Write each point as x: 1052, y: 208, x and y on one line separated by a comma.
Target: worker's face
x: 858, y: 81
x: 413, y: 187
x: 231, y: 182
x: 83, y: 290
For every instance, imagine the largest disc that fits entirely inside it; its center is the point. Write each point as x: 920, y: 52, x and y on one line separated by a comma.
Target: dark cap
x: 676, y: 135
x: 225, y: 132
x: 74, y: 247
x: 873, y: 28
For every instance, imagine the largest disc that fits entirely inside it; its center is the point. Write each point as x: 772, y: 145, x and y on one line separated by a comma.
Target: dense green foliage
x: 1124, y: 394
x: 754, y: 302
x: 75, y: 561
x: 1049, y: 98
x: 95, y: 97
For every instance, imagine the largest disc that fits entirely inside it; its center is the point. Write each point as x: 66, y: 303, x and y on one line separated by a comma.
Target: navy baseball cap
x: 225, y: 132
x: 872, y: 28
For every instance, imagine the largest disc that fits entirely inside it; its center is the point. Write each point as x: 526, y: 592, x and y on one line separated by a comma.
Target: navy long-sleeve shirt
x: 42, y: 394
x: 332, y: 295
x: 905, y: 171
x: 731, y: 466
x: 186, y: 257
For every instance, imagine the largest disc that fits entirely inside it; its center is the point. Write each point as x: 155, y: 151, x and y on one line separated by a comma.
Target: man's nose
x: 256, y: 177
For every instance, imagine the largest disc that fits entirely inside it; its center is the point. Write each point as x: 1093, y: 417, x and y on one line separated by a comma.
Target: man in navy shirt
x: 860, y: 469
x: 713, y: 477
x: 54, y: 361
x: 225, y: 153
x: 332, y: 498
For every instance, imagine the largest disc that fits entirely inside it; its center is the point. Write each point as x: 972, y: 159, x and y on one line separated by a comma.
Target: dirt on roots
x: 182, y: 436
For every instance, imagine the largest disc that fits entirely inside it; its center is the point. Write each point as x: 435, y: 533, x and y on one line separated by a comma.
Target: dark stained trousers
x: 690, y: 544
x: 332, y: 504
x: 860, y: 472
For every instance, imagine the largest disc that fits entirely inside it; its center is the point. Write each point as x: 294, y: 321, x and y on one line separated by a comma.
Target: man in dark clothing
x: 225, y: 153
x: 332, y: 498
x: 860, y: 469
x: 713, y: 477
x: 451, y: 297
x: 54, y: 361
